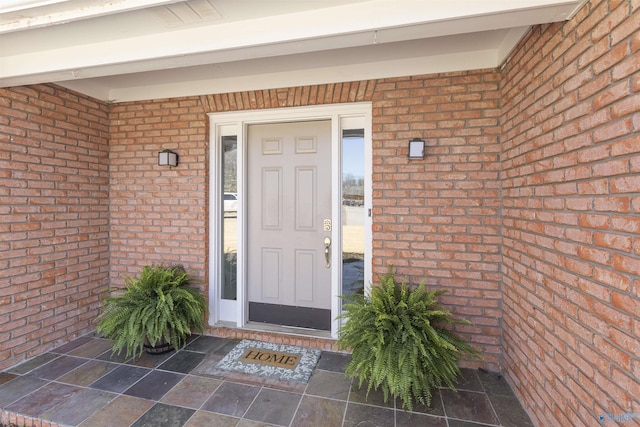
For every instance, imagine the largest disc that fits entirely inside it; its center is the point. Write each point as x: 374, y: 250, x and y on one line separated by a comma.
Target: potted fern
x: 156, y: 312
x: 398, y: 341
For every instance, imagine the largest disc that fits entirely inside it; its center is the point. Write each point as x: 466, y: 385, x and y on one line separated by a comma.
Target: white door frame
x: 342, y: 116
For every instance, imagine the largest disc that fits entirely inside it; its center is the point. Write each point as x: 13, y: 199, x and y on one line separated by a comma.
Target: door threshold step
x: 278, y: 335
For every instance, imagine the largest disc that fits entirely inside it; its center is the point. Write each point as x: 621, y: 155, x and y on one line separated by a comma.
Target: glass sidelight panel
x: 230, y: 215
x: 353, y: 211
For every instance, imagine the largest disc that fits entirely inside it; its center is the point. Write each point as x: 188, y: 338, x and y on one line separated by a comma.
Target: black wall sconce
x: 167, y: 158
x: 416, y: 148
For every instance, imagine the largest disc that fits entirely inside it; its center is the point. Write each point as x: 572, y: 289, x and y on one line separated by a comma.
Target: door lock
x: 327, y: 251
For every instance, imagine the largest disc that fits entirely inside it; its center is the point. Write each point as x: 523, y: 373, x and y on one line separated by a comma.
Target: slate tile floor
x: 81, y: 384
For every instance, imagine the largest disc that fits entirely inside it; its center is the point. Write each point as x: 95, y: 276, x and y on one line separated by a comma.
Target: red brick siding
x: 332, y: 93
x: 438, y: 219
x: 54, y: 232
x: 158, y: 213
x: 11, y: 419
x: 571, y: 198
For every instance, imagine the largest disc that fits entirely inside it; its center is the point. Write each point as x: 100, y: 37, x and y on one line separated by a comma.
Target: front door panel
x: 289, y: 202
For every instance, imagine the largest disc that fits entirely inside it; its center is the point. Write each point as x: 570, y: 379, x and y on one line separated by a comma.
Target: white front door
x: 289, y: 223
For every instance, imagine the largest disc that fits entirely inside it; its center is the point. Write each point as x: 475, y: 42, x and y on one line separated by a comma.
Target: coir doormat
x: 286, y: 362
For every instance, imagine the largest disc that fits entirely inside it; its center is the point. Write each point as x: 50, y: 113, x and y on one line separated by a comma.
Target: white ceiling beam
x: 443, y: 54
x: 319, y: 75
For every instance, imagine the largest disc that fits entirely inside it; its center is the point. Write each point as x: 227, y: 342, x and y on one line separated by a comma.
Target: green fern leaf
x: 397, y: 343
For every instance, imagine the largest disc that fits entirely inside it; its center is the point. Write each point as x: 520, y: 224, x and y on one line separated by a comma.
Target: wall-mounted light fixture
x: 167, y: 158
x: 416, y: 148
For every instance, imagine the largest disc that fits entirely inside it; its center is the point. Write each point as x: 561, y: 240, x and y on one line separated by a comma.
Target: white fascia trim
x: 54, y: 12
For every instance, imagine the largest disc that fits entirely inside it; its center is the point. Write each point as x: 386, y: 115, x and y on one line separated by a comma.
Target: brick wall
x: 571, y: 189
x: 158, y: 213
x: 438, y: 219
x: 54, y: 230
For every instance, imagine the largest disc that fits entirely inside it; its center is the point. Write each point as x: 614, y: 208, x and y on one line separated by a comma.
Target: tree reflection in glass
x: 353, y: 211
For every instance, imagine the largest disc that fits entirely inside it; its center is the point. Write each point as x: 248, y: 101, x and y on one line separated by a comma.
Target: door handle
x: 327, y: 252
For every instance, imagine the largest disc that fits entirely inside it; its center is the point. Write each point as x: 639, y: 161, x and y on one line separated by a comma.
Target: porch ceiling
x: 124, y: 50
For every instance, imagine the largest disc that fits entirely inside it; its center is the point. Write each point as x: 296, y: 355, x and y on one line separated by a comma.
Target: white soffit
x: 122, y: 50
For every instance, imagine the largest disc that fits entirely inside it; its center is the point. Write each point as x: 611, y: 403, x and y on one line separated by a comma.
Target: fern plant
x: 158, y: 306
x: 399, y: 343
